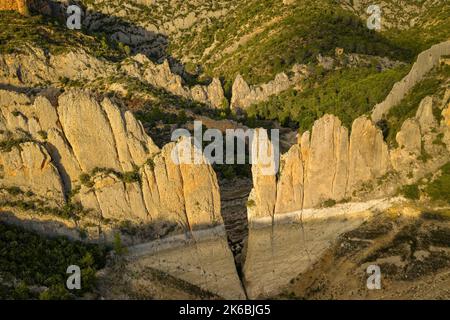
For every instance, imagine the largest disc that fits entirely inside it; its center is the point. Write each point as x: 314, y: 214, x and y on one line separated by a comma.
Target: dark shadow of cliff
x: 131, y: 234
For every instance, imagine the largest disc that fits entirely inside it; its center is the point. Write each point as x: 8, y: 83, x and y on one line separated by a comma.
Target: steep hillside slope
x: 409, y: 244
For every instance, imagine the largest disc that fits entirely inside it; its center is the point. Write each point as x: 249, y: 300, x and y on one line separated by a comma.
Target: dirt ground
x: 410, y: 245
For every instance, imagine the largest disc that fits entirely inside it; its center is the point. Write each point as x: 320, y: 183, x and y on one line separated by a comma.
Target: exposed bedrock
x: 288, y: 226
x: 101, y: 156
x: 424, y: 63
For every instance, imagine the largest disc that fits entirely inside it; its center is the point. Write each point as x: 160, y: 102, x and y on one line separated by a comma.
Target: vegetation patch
x: 347, y: 93
x: 439, y: 188
x: 28, y: 259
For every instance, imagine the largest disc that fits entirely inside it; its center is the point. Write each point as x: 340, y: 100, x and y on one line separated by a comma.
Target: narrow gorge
x: 81, y: 156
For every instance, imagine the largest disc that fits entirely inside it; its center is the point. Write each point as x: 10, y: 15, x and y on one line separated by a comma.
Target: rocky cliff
x: 329, y: 164
x: 86, y: 150
x: 326, y: 167
x: 244, y: 95
x: 425, y: 62
x: 16, y: 5
x: 33, y: 65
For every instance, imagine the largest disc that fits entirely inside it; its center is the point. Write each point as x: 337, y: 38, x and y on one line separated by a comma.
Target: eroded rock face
x: 263, y: 196
x: 328, y: 166
x: 212, y: 94
x: 325, y: 165
x: 409, y: 137
x: 291, y: 183
x: 287, y: 230
x: 35, y: 66
x: 91, y: 145
x: 425, y: 115
x: 368, y: 154
x: 245, y: 95
x: 29, y: 166
x: 327, y: 162
x: 425, y: 62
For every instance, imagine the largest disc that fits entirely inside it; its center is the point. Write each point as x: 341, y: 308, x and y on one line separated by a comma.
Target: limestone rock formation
x: 291, y: 182
x: 425, y: 114
x: 244, y: 95
x: 89, y: 150
x: 328, y: 164
x: 409, y: 137
x: 263, y: 196
x: 29, y: 166
x: 34, y: 66
x: 424, y: 63
x: 212, y: 94
x: 325, y: 165
x: 368, y: 154
x: 20, y: 6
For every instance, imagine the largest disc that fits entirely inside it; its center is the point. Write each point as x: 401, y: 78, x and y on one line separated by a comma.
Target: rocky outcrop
x: 423, y: 143
x: 263, y: 195
x: 85, y: 150
x: 368, y: 155
x: 29, y: 166
x: 328, y: 164
x: 35, y: 66
x: 20, y: 6
x: 287, y: 228
x: 160, y: 75
x: 88, y: 150
x: 425, y: 62
x: 244, y: 95
x: 325, y: 165
x: 211, y: 94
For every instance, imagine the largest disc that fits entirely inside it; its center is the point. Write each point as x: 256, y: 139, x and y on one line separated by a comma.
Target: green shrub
x: 130, y: 177
x: 251, y: 203
x: 9, y: 144
x: 118, y: 246
x: 14, y: 191
x: 346, y: 93
x: 411, y: 191
x: 36, y: 260
x: 329, y: 203
x: 43, y: 134
x: 439, y: 189
x: 407, y: 108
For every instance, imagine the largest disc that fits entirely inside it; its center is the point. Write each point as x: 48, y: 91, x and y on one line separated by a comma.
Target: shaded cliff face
x: 87, y: 150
